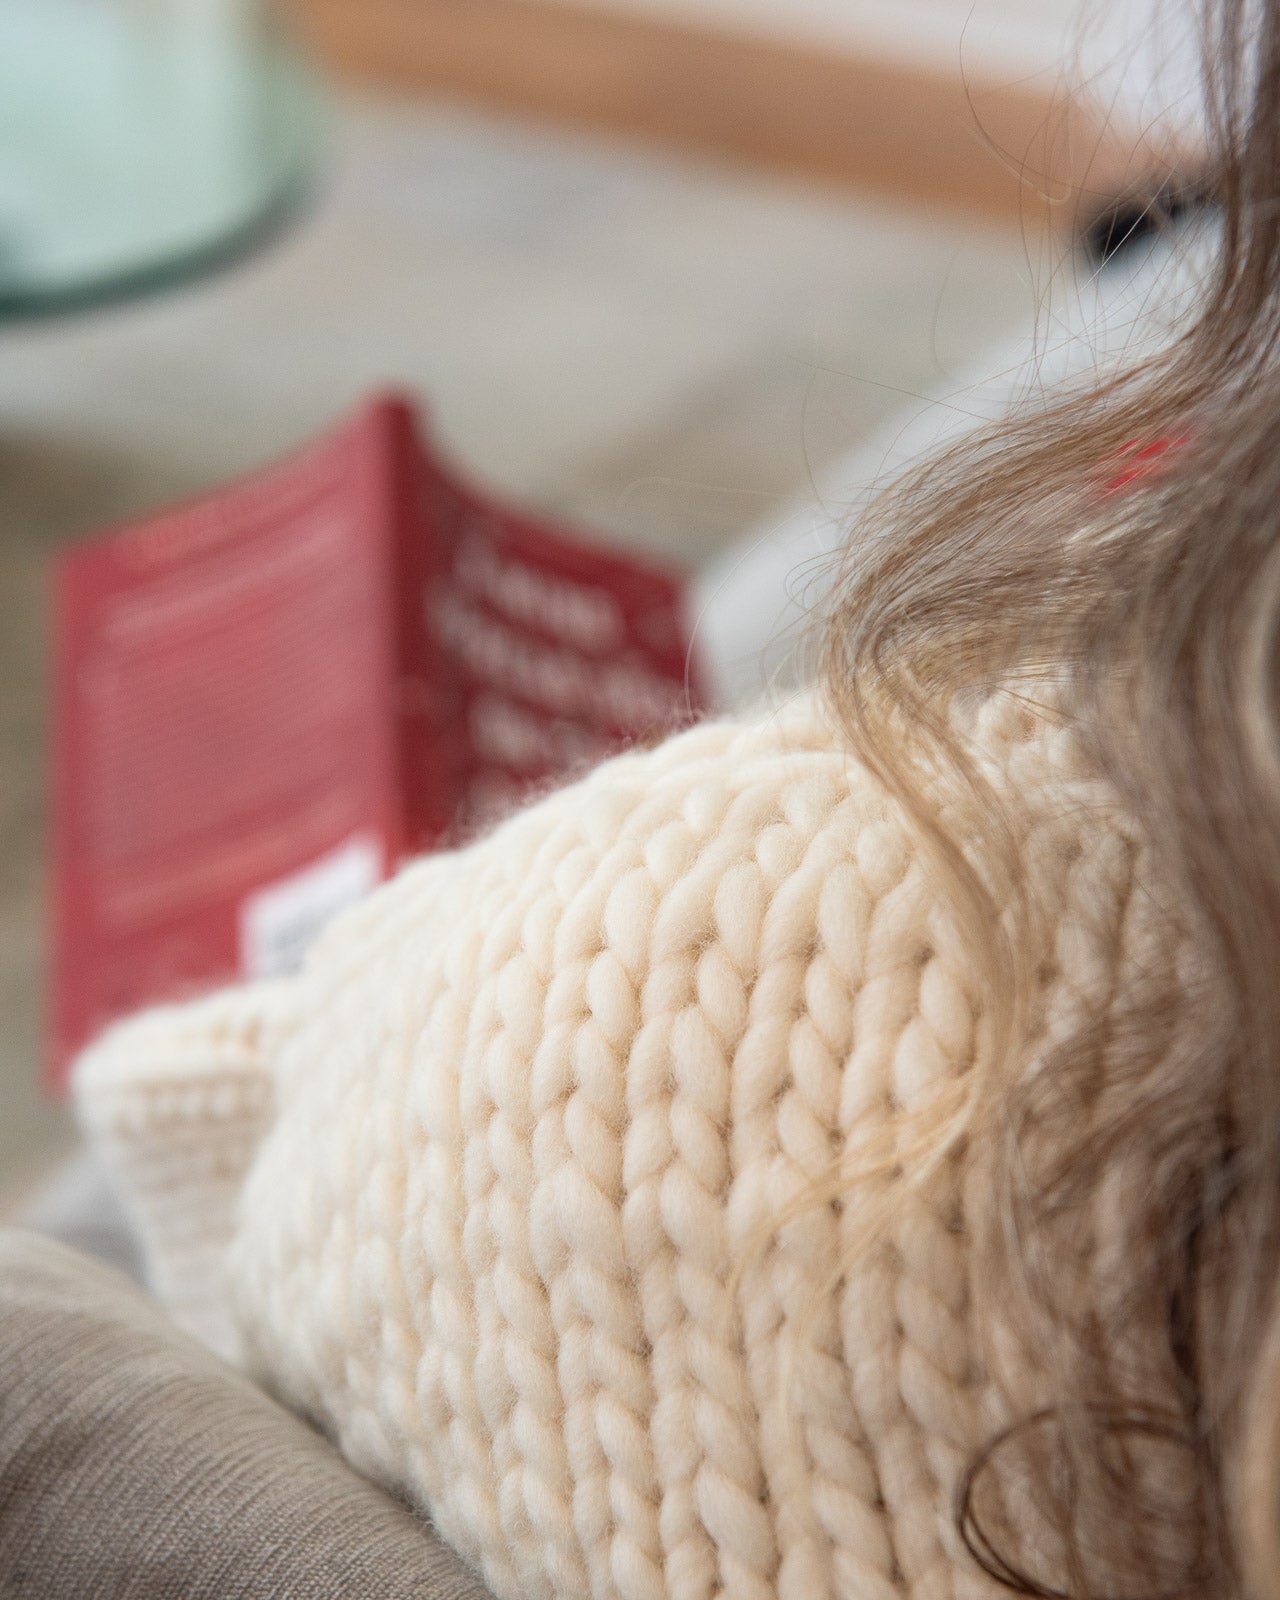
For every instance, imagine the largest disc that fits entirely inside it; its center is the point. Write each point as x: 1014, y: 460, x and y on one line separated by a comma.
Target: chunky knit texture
x: 472, y: 1189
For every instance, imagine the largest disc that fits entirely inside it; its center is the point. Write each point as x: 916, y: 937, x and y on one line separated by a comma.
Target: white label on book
x: 278, y: 922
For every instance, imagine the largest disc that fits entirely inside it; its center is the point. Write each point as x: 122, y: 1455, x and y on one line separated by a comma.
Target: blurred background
x: 656, y: 266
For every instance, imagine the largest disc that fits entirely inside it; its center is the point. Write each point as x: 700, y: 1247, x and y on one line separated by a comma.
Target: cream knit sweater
x: 471, y: 1189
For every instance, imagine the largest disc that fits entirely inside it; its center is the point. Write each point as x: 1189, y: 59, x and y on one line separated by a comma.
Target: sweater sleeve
x: 501, y: 1211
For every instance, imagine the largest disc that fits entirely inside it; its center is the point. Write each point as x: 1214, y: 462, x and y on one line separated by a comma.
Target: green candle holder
x: 141, y: 141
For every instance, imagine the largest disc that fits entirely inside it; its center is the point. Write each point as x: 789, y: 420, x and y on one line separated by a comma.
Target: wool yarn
x: 491, y: 1189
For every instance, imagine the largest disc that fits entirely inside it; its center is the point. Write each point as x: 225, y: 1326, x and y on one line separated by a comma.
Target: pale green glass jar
x: 140, y: 140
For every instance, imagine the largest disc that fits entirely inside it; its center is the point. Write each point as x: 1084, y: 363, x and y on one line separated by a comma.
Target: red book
x: 265, y: 699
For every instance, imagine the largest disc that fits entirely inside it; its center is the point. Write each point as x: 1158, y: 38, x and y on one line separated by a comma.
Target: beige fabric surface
x: 135, y: 1466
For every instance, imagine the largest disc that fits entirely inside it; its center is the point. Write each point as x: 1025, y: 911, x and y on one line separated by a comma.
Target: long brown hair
x: 1158, y: 611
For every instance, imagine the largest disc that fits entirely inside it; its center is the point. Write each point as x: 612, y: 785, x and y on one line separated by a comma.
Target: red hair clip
x: 1142, y: 461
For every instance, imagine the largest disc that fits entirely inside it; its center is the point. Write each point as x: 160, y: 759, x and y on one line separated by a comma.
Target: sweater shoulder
x: 717, y: 787
x: 756, y: 793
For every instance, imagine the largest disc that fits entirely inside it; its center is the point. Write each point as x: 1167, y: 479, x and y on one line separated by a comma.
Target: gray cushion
x: 136, y: 1466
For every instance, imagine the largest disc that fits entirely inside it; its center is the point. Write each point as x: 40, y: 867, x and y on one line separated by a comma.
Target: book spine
x: 428, y: 710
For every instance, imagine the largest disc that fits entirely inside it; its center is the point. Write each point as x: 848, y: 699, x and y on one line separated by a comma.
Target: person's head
x: 1154, y: 596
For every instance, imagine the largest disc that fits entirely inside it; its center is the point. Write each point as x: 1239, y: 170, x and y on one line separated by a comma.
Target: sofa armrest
x: 136, y: 1466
